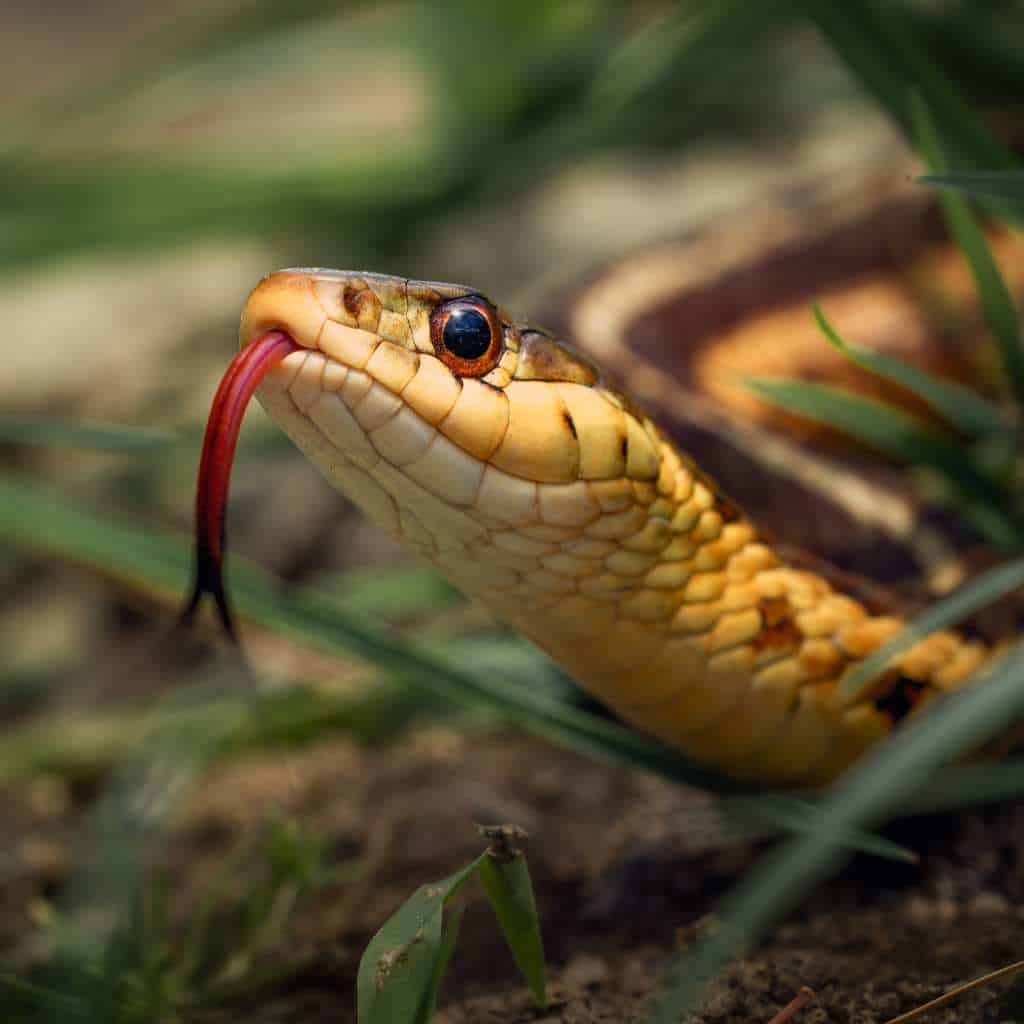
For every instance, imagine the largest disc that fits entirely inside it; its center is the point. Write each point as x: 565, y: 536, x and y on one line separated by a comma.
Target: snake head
x: 433, y: 384
x: 458, y: 427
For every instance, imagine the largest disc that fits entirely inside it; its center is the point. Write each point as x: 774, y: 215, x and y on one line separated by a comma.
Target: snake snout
x: 284, y: 301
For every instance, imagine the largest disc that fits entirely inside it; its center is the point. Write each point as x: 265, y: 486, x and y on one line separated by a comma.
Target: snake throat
x: 236, y: 388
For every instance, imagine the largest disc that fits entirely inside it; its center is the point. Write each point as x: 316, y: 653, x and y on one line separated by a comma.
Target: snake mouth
x: 285, y: 314
x: 240, y: 380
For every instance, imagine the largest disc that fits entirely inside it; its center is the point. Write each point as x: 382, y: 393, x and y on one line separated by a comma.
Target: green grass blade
x: 25, y: 1001
x: 874, y: 789
x: 510, y: 891
x: 976, y: 495
x: 102, y: 437
x: 783, y: 812
x: 888, y: 20
x: 983, y: 591
x: 960, y: 406
x: 877, y: 44
x: 858, y: 47
x: 979, y: 53
x: 997, y: 303
x: 394, y: 593
x: 986, y: 184
x: 890, y: 430
x: 397, y: 968
x: 968, y: 785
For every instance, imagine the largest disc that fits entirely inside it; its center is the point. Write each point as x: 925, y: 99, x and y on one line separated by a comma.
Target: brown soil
x: 624, y: 866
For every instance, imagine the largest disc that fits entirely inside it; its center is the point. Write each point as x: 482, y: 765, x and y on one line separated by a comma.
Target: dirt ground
x: 624, y: 865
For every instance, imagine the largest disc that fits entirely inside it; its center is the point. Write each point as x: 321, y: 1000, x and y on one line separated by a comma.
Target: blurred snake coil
x: 539, y: 485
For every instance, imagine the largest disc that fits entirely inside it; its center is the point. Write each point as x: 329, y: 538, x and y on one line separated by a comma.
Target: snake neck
x: 671, y: 609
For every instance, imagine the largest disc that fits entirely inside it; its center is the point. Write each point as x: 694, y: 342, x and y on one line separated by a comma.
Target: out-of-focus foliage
x: 151, y: 968
x: 352, y: 126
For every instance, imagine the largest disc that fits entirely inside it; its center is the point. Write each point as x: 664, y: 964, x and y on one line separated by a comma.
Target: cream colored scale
x: 546, y: 494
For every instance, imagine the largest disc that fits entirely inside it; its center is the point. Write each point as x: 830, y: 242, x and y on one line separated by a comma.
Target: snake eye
x: 466, y: 336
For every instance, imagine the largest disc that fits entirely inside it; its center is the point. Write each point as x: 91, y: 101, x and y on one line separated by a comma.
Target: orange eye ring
x: 467, y: 335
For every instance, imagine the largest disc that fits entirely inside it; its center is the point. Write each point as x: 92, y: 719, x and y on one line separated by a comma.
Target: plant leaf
x: 449, y: 939
x: 398, y: 968
x: 988, y: 184
x: 510, y: 891
x: 877, y: 45
x: 101, y: 437
x: 1000, y: 311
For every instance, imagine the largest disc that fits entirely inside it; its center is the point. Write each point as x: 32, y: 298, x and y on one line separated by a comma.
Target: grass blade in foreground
x: 872, y: 791
x: 100, y: 437
x: 986, y: 589
x: 877, y: 44
x: 959, y: 405
x: 1000, y: 311
x: 988, y: 184
x: 890, y: 430
x: 901, y: 437
x: 968, y: 785
x: 804, y: 815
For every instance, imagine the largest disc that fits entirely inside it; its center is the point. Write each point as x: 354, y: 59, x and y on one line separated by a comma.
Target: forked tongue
x: 240, y: 380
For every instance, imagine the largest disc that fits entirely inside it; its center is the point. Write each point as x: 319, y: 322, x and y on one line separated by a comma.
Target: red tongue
x: 240, y: 380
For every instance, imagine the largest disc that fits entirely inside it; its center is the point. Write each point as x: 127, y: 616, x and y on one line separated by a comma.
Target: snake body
x: 545, y: 492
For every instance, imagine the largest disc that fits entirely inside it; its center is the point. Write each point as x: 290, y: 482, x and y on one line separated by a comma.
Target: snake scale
x: 514, y: 463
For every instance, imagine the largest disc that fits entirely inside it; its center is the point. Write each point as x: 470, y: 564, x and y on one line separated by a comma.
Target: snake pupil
x: 467, y: 334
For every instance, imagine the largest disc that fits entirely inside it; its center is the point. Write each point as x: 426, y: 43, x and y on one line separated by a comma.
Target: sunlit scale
x: 547, y: 496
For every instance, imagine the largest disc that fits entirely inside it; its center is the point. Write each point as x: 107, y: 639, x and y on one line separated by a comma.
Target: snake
x: 549, y: 490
